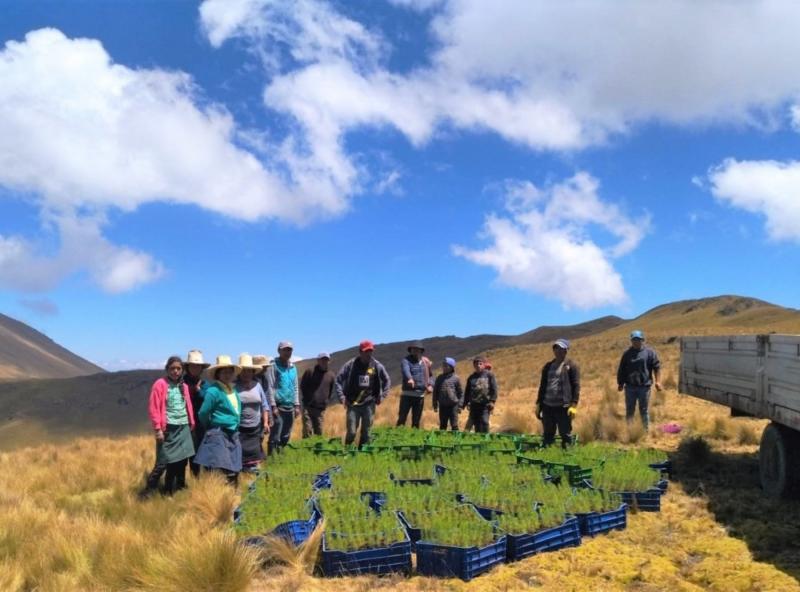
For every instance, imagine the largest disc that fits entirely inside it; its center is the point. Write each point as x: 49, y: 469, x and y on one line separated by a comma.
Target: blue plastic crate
x: 644, y: 501
x: 487, y: 513
x: 445, y: 561
x: 665, y: 467
x: 663, y: 485
x: 297, y: 531
x: 567, y: 534
x: 396, y: 558
x: 375, y: 499
x: 414, y: 534
x: 593, y: 523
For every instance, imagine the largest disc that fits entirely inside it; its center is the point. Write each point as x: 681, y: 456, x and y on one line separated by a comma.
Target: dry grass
x: 70, y: 521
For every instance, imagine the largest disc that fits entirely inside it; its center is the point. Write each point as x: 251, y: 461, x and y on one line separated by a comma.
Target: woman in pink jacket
x: 171, y: 415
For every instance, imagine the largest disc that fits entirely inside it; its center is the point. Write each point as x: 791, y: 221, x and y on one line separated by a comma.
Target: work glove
x: 572, y: 411
x: 538, y: 412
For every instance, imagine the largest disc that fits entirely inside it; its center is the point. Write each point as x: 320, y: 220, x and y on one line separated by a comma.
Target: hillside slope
x: 27, y: 353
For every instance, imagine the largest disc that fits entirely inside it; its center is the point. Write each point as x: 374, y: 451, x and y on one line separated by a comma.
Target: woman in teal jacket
x: 220, y: 449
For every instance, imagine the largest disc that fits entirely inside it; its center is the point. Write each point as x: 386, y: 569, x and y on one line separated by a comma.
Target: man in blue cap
x: 638, y: 368
x: 559, y: 392
x: 448, y: 395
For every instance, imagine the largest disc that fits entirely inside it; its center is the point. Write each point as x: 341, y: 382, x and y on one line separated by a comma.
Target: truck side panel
x: 757, y: 374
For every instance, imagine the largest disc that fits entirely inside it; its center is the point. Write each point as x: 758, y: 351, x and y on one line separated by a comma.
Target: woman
x: 219, y: 415
x: 193, y: 377
x: 172, y: 418
x: 254, y: 422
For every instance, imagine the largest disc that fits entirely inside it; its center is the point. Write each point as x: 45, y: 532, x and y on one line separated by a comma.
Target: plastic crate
x: 594, y: 523
x: 567, y: 534
x: 663, y: 485
x: 643, y: 501
x: 487, y: 513
x: 445, y: 561
x: 665, y: 468
x: 297, y: 531
x: 414, y: 534
x: 396, y: 558
x: 375, y: 499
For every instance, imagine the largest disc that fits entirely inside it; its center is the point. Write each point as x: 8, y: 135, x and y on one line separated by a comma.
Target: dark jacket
x: 419, y: 372
x: 317, y: 387
x: 570, y: 382
x: 347, y: 382
x: 447, y: 391
x: 637, y: 366
x: 481, y: 388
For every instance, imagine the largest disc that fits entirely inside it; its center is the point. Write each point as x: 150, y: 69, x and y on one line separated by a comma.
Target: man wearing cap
x: 282, y: 387
x: 448, y: 396
x: 637, y: 369
x: 559, y: 392
x: 361, y: 384
x: 417, y: 380
x: 316, y: 390
x: 480, y: 394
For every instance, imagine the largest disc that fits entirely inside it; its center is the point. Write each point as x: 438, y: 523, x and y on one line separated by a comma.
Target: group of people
x: 216, y: 416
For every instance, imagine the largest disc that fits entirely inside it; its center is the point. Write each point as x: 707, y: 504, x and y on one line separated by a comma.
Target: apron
x: 250, y: 439
x: 177, y: 445
x: 220, y: 450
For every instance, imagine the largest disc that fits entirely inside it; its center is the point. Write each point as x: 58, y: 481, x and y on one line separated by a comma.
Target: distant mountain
x: 27, y: 353
x: 116, y: 402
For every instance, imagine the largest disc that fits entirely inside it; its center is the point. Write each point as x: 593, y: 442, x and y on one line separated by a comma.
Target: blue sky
x: 227, y: 174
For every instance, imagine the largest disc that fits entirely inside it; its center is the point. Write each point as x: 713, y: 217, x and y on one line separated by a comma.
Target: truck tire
x: 779, y: 461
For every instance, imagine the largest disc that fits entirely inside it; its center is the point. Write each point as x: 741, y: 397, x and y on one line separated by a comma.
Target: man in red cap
x: 362, y: 384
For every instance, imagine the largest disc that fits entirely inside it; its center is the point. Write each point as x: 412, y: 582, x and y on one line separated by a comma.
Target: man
x: 637, y: 369
x: 316, y: 390
x: 282, y: 387
x: 361, y: 385
x: 480, y: 395
x: 559, y: 391
x: 448, y: 396
x: 417, y: 380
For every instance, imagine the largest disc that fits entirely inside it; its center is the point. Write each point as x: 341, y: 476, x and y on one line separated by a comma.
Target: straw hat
x: 223, y: 361
x: 247, y: 362
x: 195, y: 356
x: 262, y: 361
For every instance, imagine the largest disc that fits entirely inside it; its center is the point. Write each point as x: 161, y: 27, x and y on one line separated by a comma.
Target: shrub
x: 695, y: 449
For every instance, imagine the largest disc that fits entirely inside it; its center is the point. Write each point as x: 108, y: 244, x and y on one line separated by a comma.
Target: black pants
x: 556, y: 417
x: 448, y: 415
x: 479, y: 414
x: 411, y: 403
x: 174, y: 480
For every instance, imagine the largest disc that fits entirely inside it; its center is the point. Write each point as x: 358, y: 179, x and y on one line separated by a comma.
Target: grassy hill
x: 69, y: 519
x: 27, y: 353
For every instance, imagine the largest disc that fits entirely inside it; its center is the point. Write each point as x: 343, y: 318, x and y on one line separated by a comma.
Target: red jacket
x: 157, y: 408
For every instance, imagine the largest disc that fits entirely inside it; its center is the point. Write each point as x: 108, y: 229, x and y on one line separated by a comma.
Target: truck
x: 756, y: 376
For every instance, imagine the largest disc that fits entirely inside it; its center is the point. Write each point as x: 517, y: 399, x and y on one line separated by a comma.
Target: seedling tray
x: 394, y: 558
x: 297, y: 531
x: 444, y: 561
x: 550, y: 539
x: 594, y: 523
x: 643, y: 501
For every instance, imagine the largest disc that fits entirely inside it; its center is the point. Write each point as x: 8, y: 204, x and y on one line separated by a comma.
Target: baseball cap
x: 562, y: 343
x: 284, y: 345
x: 637, y: 334
x: 321, y: 355
x: 450, y: 362
x: 366, y: 345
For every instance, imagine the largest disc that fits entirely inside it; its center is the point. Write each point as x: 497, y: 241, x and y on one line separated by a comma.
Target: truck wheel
x: 779, y: 461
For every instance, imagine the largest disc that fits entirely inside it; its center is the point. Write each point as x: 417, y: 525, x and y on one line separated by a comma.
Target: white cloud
x: 769, y: 188
x: 561, y: 76
x: 81, y: 133
x: 543, y: 244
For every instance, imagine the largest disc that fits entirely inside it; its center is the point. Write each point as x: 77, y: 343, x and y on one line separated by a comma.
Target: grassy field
x: 69, y: 518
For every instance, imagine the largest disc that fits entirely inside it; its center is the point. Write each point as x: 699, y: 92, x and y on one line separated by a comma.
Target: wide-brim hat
x: 262, y: 361
x: 247, y: 362
x: 223, y: 361
x: 415, y: 345
x: 195, y: 356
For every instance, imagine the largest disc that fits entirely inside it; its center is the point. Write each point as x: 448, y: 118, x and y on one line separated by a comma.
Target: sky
x: 227, y: 174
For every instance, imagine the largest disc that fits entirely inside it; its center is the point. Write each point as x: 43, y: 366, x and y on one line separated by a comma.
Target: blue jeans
x: 281, y: 429
x: 642, y: 395
x: 359, y: 415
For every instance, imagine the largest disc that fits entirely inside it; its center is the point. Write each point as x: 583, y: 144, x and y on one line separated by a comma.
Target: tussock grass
x: 747, y: 434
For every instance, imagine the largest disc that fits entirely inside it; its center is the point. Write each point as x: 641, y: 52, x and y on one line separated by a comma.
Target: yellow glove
x: 572, y: 411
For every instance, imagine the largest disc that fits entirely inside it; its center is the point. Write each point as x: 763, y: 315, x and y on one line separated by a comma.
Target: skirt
x: 177, y: 445
x: 252, y: 452
x: 220, y: 450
